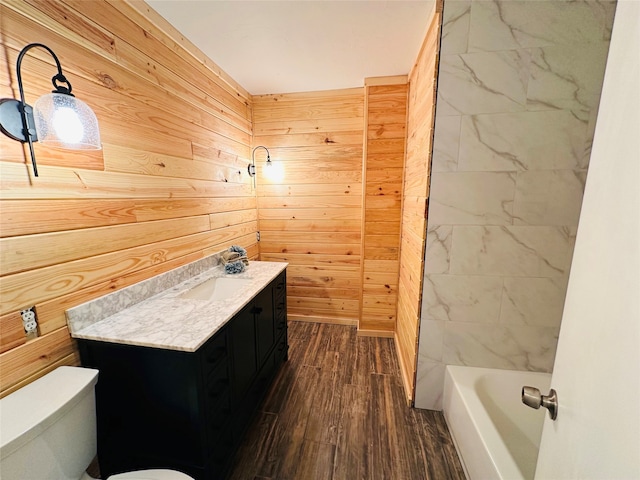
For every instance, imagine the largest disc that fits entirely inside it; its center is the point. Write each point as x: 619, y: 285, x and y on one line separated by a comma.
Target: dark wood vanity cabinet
x: 159, y: 408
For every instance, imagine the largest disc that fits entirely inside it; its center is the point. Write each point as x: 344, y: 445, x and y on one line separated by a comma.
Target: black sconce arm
x: 16, y: 116
x: 28, y: 125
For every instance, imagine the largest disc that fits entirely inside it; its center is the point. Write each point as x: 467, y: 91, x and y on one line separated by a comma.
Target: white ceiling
x: 302, y: 45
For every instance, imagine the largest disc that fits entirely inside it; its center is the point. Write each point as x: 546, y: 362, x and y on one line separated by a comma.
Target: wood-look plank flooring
x: 337, y: 411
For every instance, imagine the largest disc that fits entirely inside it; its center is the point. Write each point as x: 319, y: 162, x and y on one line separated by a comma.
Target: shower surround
x: 518, y: 92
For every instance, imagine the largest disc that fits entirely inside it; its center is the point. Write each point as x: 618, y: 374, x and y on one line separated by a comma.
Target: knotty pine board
x: 344, y: 213
x: 420, y: 119
x: 12, y: 331
x: 65, y: 246
x: 313, y: 260
x: 65, y: 183
x: 297, y: 224
x: 386, y: 112
x: 29, y: 252
x: 306, y: 248
x: 210, y: 165
x: 24, y: 217
x: 293, y: 140
x: 309, y: 201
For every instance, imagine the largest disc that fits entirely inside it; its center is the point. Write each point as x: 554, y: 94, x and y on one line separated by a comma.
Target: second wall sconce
x: 252, y: 166
x: 57, y: 119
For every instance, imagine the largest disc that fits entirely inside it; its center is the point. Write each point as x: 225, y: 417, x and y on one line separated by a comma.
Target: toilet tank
x: 48, y: 428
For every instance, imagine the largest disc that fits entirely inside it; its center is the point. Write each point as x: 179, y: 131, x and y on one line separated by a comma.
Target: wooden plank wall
x: 311, y: 218
x: 386, y: 119
x: 169, y: 187
x: 422, y: 81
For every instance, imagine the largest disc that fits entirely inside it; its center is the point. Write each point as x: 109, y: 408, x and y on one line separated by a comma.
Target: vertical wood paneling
x: 311, y: 217
x: 169, y: 187
x: 386, y: 115
x: 422, y: 86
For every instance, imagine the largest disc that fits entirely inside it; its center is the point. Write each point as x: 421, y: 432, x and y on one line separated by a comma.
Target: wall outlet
x: 30, y: 322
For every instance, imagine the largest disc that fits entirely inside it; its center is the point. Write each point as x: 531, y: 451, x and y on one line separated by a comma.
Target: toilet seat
x: 154, y: 474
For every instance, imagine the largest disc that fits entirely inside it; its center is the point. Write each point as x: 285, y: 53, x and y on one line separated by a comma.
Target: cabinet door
x: 265, y: 337
x: 245, y: 363
x: 148, y: 407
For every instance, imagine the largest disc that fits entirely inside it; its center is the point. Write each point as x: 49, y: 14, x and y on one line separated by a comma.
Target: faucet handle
x: 532, y: 397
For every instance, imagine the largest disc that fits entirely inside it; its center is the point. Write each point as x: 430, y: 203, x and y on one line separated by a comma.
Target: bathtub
x: 496, y: 435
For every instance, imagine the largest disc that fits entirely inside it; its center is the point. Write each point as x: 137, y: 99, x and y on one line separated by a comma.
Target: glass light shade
x: 66, y: 122
x: 273, y: 171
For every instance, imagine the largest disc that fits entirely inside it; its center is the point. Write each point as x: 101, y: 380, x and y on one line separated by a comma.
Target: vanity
x: 183, y: 371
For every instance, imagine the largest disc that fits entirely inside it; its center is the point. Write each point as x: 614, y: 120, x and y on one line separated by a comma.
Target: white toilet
x: 48, y: 430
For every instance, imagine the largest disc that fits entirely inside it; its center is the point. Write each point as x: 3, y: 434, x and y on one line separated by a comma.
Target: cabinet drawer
x: 281, y: 349
x: 217, y: 384
x: 214, y: 352
x: 219, y: 414
x: 281, y: 324
x: 281, y: 306
x: 281, y: 284
x: 220, y: 455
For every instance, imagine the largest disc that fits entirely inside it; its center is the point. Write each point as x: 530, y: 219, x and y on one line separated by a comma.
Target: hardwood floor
x: 337, y: 411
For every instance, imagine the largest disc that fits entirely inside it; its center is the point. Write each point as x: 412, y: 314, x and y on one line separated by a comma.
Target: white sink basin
x: 218, y: 288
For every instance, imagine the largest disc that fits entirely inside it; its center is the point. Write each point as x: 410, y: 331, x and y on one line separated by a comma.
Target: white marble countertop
x: 166, y: 320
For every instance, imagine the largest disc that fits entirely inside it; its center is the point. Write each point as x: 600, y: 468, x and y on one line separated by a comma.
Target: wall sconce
x: 273, y: 170
x: 57, y: 119
x: 252, y: 166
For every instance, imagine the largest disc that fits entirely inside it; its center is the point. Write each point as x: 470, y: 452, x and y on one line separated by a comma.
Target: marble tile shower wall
x: 518, y: 92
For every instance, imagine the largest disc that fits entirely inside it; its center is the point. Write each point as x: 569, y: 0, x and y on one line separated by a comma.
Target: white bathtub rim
x: 479, y: 464
x: 456, y: 413
x: 490, y: 440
